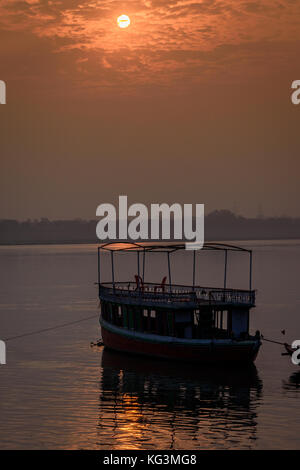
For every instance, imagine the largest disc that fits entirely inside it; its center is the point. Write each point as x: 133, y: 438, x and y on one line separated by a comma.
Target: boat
x: 163, y: 320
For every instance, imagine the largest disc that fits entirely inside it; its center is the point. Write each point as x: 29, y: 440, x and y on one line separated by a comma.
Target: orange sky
x: 191, y: 103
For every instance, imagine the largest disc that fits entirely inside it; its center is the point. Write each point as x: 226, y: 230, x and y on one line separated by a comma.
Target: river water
x: 57, y: 391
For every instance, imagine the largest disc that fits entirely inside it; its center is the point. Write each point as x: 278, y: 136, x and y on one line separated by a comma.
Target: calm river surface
x: 56, y: 391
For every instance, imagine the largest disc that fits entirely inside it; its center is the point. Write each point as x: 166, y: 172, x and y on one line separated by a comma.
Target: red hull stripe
x: 174, y: 348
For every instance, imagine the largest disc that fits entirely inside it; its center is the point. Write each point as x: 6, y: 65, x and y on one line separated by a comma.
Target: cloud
x: 167, y: 39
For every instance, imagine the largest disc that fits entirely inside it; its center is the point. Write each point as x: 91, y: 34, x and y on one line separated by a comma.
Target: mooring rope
x: 99, y: 342
x: 272, y: 341
x: 62, y: 325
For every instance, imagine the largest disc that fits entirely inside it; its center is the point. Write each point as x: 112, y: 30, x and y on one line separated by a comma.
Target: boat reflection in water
x: 151, y: 404
x: 293, y: 383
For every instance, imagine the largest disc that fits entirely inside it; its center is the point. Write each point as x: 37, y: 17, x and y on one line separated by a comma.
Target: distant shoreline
x: 80, y: 242
x: 220, y: 225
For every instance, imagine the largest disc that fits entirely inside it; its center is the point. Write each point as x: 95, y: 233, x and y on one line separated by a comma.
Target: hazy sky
x: 191, y: 103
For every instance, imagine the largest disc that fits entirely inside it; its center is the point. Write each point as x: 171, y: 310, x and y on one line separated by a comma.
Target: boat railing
x: 173, y: 293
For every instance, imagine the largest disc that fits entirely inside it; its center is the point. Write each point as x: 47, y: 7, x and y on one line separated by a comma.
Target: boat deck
x: 175, y: 296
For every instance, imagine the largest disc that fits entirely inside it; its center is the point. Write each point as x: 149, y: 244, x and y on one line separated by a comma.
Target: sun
x: 123, y: 21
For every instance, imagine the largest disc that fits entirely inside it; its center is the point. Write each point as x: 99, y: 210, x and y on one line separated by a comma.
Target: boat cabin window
x: 135, y: 318
x: 202, y: 323
x: 210, y: 323
x: 240, y: 322
x: 221, y: 322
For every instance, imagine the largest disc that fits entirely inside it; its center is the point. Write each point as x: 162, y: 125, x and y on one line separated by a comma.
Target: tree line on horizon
x: 219, y: 225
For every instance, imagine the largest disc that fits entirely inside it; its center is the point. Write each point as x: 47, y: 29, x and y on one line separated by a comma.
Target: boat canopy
x: 168, y: 249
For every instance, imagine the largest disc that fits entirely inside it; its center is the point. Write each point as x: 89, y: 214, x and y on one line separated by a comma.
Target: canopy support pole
x: 112, y: 268
x: 225, y: 271
x: 194, y: 268
x: 250, y: 272
x: 138, y: 268
x: 99, y: 270
x: 144, y: 256
x: 169, y: 269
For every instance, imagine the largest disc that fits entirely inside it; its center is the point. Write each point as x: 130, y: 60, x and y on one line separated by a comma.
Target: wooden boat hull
x: 163, y: 347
